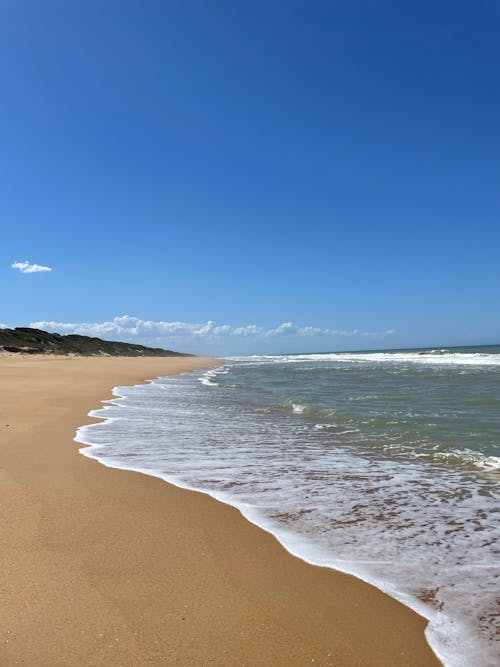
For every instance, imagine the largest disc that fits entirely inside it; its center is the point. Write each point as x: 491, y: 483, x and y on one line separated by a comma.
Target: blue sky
x: 334, y: 165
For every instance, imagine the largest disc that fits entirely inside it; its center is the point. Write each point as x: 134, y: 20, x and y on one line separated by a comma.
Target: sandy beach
x: 107, y: 567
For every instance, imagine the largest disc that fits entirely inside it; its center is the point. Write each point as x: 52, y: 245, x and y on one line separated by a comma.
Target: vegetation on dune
x: 35, y: 341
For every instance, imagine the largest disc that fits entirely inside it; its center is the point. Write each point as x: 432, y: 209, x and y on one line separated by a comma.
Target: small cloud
x: 27, y: 267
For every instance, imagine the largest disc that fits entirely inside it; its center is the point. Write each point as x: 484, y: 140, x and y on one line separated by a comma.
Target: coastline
x: 106, y: 566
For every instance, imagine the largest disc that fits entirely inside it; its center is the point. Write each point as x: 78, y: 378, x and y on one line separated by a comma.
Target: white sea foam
x: 431, y: 357
x: 427, y: 535
x: 476, y: 459
x: 209, y: 377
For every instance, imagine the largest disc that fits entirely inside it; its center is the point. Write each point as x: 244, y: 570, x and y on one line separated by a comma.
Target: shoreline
x: 251, y: 515
x: 103, y: 566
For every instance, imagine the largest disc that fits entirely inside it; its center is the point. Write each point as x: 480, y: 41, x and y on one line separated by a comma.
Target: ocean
x: 383, y: 464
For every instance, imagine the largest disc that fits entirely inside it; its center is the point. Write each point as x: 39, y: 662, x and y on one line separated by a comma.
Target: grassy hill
x: 35, y: 341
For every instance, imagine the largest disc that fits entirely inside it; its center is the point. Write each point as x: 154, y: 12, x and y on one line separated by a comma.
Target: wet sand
x: 108, y: 567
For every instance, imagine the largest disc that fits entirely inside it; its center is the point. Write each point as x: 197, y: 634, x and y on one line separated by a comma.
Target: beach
x: 102, y: 566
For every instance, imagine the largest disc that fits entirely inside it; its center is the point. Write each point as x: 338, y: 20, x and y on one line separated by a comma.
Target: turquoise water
x: 383, y: 464
x: 440, y: 405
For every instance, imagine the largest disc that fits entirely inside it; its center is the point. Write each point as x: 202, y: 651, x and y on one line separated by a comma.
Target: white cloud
x: 249, y: 330
x: 165, y: 333
x: 27, y: 267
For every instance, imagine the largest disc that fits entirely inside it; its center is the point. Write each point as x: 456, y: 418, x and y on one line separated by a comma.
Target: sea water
x: 385, y: 465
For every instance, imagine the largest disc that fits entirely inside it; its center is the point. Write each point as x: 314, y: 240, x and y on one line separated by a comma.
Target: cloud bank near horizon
x: 172, y: 333
x: 28, y: 267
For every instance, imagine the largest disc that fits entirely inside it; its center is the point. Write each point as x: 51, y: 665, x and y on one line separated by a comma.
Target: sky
x: 233, y: 177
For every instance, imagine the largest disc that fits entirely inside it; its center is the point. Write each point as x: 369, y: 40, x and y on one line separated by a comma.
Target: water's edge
x: 285, y: 539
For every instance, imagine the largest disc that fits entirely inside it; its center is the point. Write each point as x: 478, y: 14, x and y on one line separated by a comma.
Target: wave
x: 337, y: 421
x: 465, y: 458
x: 430, y: 357
x: 208, y: 378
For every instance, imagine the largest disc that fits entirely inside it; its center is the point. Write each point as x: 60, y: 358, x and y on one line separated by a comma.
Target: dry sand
x: 108, y: 567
